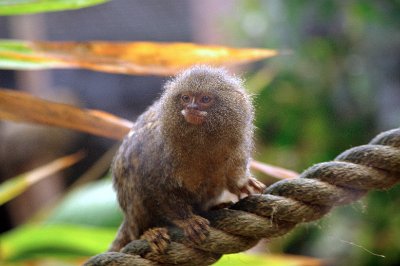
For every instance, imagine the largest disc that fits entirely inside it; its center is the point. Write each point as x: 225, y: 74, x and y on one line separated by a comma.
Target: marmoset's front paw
x: 195, y: 228
x: 157, y: 238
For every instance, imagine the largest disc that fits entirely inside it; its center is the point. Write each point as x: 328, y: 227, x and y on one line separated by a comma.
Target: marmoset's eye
x: 205, y: 99
x: 185, y: 98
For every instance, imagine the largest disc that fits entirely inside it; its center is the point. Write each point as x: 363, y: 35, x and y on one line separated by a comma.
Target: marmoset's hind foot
x: 195, y: 228
x: 157, y: 238
x: 252, y: 186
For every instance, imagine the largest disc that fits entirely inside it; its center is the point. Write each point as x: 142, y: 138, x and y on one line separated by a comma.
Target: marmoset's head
x: 207, y: 98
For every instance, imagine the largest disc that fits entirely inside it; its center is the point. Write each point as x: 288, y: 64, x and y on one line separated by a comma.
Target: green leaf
x: 12, y: 188
x: 243, y: 259
x: 19, y: 7
x: 94, y: 204
x: 13, y: 45
x: 20, y: 56
x: 66, y: 241
x: 12, y: 63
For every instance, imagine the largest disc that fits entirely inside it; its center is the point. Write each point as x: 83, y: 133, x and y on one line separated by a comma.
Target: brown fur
x: 168, y: 170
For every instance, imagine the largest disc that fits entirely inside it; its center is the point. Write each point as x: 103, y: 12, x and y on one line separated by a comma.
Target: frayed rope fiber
x: 279, y: 209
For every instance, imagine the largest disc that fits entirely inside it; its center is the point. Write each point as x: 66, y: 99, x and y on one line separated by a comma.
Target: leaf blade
x: 242, y: 259
x: 22, y: 107
x: 274, y: 171
x: 134, y: 58
x: 17, y: 185
x: 13, y: 7
x: 57, y: 240
x: 94, y: 204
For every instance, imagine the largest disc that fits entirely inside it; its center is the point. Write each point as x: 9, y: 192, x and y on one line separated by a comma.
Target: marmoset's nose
x: 192, y: 106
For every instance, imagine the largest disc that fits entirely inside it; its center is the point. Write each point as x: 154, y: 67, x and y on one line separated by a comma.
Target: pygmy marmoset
x: 181, y: 154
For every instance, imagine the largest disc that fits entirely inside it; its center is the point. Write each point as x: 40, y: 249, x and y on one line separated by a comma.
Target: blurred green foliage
x: 324, y: 99
x: 94, y: 204
x: 54, y: 241
x: 83, y: 224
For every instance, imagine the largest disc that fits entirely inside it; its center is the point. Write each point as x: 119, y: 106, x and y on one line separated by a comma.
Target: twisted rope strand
x: 279, y: 209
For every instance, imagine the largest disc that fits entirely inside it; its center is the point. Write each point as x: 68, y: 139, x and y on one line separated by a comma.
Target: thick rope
x: 279, y: 209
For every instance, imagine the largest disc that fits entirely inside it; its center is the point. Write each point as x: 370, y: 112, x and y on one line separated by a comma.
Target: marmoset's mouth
x: 194, y: 117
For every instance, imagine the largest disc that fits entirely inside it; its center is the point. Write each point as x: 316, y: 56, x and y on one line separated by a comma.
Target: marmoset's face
x: 195, y: 106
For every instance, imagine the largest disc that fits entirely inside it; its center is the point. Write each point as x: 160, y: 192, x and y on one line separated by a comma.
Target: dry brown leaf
x: 138, y: 58
x: 18, y: 106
